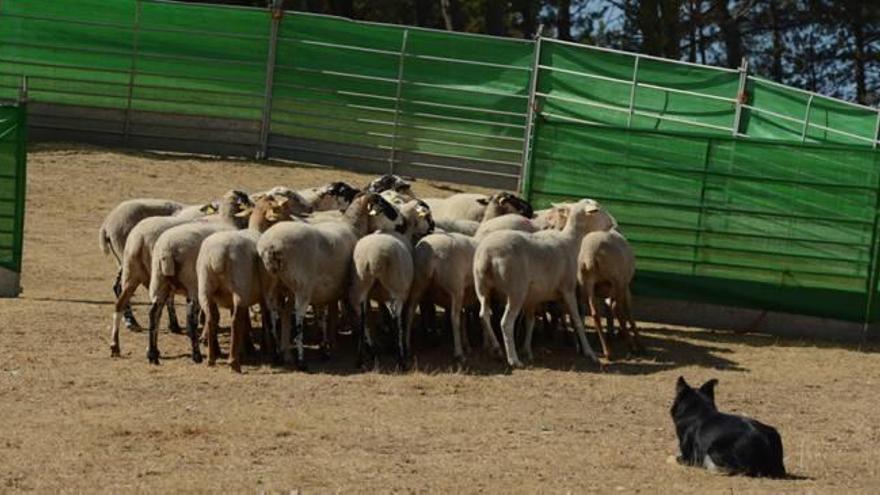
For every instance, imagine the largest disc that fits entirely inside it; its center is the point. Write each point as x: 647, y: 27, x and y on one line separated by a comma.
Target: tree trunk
x: 670, y: 26
x: 452, y: 15
x: 858, y: 30
x: 529, y: 18
x: 778, y: 49
x: 563, y: 20
x: 343, y: 8
x: 495, y: 13
x: 648, y: 20
x: 730, y: 33
x: 692, y: 35
x: 423, y: 12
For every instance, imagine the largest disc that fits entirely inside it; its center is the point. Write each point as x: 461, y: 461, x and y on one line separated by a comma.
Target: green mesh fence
x: 12, y: 185
x: 786, y: 227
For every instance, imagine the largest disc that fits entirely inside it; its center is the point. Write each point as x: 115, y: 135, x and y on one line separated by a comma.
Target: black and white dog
x: 722, y: 442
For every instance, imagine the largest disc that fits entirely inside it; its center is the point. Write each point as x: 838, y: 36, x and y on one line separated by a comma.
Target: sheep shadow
x: 723, y: 337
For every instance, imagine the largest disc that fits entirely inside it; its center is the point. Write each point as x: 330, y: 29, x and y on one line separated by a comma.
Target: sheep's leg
x: 365, y: 349
x: 571, y: 307
x: 489, y: 339
x: 429, y: 317
x: 118, y: 311
x: 212, y: 319
x: 322, y: 314
x: 608, y: 311
x: 508, y: 327
x: 455, y: 314
x: 396, y: 309
x: 239, y: 327
x: 595, y: 303
x: 624, y: 317
x: 192, y: 327
x: 127, y: 314
x: 247, y: 341
x: 267, y: 346
x: 285, y: 331
x: 300, y: 308
x: 529, y: 317
x: 173, y: 324
x: 155, y: 309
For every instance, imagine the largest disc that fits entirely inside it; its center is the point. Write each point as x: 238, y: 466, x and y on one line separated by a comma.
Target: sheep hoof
x: 236, y: 367
x: 175, y: 329
x: 153, y: 356
x: 516, y: 364
x: 325, y: 352
x: 197, y: 357
x: 114, y: 351
x: 302, y: 366
x: 212, y: 362
x: 132, y: 326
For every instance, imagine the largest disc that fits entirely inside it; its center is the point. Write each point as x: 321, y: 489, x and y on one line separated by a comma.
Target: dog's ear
x: 708, y: 389
x: 681, y: 385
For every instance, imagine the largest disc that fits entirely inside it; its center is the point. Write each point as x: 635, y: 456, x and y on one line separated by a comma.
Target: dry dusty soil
x: 75, y: 419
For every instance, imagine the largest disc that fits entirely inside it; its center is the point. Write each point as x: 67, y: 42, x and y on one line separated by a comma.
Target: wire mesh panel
x: 12, y: 186
x: 777, y: 226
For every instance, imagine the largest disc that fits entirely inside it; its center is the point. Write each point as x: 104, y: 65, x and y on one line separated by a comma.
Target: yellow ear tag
x: 373, y: 213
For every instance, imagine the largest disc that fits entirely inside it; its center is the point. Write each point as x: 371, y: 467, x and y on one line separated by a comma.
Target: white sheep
x: 390, y: 182
x: 311, y: 261
x: 173, y: 268
x: 527, y: 269
x: 466, y: 227
x: 231, y: 275
x: 117, y: 226
x: 136, y: 265
x: 334, y: 196
x: 477, y: 207
x: 443, y: 274
x: 606, y: 266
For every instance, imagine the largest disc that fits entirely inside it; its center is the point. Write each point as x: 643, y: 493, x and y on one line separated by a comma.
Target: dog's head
x: 691, y: 401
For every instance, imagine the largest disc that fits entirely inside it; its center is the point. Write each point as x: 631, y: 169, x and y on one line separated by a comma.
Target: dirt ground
x: 76, y: 420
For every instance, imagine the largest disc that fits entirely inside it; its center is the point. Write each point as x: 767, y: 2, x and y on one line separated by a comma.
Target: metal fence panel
x: 12, y: 185
x: 786, y: 227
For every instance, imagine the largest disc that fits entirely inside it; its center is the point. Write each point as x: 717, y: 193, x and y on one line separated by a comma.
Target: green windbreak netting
x: 77, y: 54
x: 590, y: 85
x: 200, y: 59
x: 783, y: 113
x: 419, y: 91
x: 786, y: 227
x: 12, y: 185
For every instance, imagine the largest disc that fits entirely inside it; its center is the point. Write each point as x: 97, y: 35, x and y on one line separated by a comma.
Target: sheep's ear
x: 272, y: 215
x: 483, y: 201
x: 244, y: 213
x: 591, y: 208
x: 283, y: 201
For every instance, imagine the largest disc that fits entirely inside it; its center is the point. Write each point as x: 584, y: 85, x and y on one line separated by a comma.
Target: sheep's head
x: 589, y: 216
x: 418, y: 215
x: 383, y: 215
x: 389, y: 182
x: 511, y: 203
x: 335, y: 196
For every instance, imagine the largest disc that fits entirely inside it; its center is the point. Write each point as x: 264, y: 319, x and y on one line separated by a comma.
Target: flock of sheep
x: 335, y: 248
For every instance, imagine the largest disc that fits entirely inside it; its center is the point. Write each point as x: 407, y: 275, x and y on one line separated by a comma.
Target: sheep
x: 527, y: 269
x: 334, y: 196
x: 442, y: 273
x: 231, y: 275
x: 510, y: 221
x: 136, y: 264
x: 390, y: 182
x: 173, y: 268
x: 466, y: 227
x: 477, y: 207
x: 118, y: 224
x: 606, y: 261
x: 383, y: 270
x: 312, y: 261
x: 397, y: 198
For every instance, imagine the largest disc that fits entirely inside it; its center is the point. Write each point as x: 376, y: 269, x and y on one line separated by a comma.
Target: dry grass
x: 75, y: 419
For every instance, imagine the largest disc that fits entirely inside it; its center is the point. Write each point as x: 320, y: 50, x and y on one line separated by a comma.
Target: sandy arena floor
x: 74, y: 419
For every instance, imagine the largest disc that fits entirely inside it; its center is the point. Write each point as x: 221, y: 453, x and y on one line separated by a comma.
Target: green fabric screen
x: 12, y: 184
x: 787, y: 227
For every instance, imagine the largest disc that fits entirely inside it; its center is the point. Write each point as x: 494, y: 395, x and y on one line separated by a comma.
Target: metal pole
x: 873, y: 264
x: 632, y: 92
x: 277, y: 10
x: 807, y: 119
x: 524, y: 183
x: 23, y: 90
x: 877, y: 130
x: 740, y: 95
x: 392, y: 158
x: 126, y: 126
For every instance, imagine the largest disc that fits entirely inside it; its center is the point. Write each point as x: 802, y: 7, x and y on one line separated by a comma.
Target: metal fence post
x: 23, y: 90
x: 807, y: 118
x: 401, y: 62
x: 877, y: 130
x: 126, y: 125
x: 740, y: 95
x: 524, y: 183
x: 632, y: 92
x: 276, y: 8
